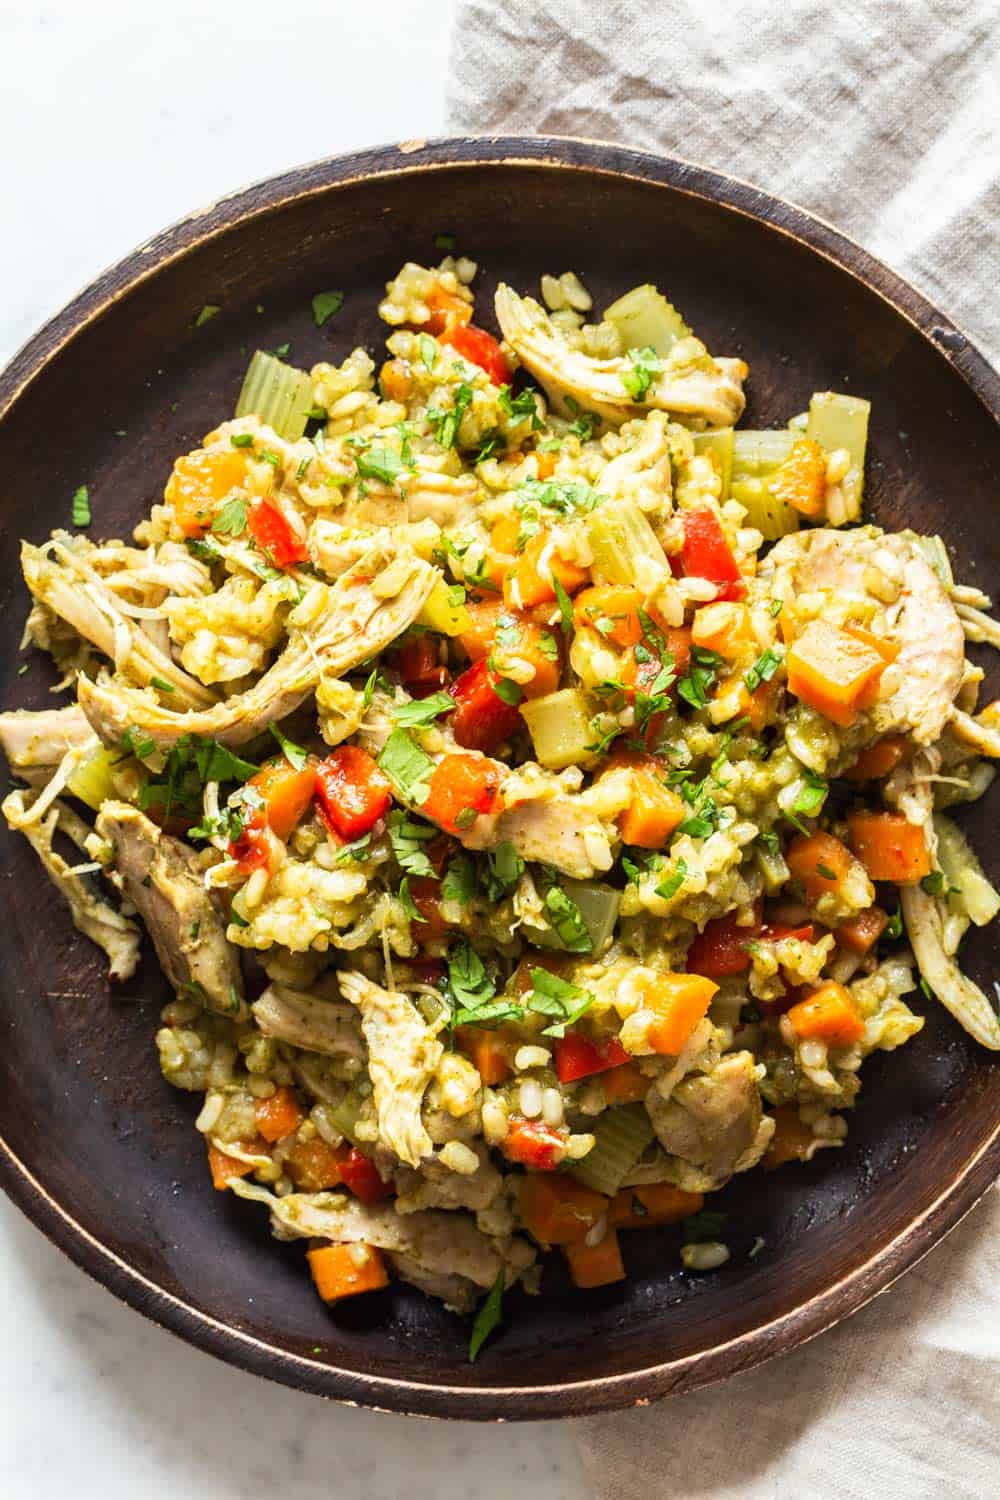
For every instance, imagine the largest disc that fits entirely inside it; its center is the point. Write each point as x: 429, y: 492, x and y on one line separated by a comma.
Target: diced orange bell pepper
x: 487, y: 1052
x: 595, y: 1265
x: 828, y: 1014
x: 447, y: 309
x: 819, y: 863
x: 545, y: 464
x: 531, y: 581
x: 225, y: 1168
x: 791, y: 1139
x: 278, y: 1115
x: 484, y: 617
x: 625, y: 1084
x: 724, y: 627
x: 653, y: 814
x: 879, y: 760
x: 314, y: 1166
x: 200, y: 480
x: 889, y: 846
x: 288, y: 794
x: 612, y: 610
x: 652, y: 1203
x: 832, y: 671
x: 341, y: 1271
x: 557, y: 1210
x: 862, y: 932
x: 679, y: 1002
x: 801, y: 480
x: 462, y: 787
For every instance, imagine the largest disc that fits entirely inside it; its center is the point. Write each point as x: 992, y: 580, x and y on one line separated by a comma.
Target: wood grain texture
x: 94, y: 1146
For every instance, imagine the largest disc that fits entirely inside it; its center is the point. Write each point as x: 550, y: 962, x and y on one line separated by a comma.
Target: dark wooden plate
x: 94, y: 1146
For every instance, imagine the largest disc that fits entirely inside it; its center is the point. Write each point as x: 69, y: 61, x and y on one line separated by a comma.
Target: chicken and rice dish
x: 536, y: 788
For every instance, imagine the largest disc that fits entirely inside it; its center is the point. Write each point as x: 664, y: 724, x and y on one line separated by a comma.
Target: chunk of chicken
x: 434, y: 1186
x: 712, y: 1120
x: 403, y: 1057
x: 35, y: 743
x: 560, y: 830
x: 336, y: 627
x: 432, y: 1243
x: 309, y: 1022
x: 711, y: 389
x: 162, y: 879
x: 921, y: 620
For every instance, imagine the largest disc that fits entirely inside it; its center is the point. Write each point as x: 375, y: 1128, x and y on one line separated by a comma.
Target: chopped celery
x: 772, y: 517
x: 92, y: 781
x: 969, y: 889
x: 440, y: 614
x: 623, y: 543
x: 772, y: 867
x: 598, y: 906
x: 621, y: 1135
x: 936, y: 553
x: 758, y: 454
x: 645, y: 319
x: 345, y: 1114
x: 718, y: 446
x: 278, y: 394
x: 560, y: 728
x: 837, y: 421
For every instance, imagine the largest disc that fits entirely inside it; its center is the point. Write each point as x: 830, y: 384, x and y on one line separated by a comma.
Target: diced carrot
x: 801, y: 480
x: 720, y: 949
x: 313, y: 1165
x: 341, y: 1271
x: 724, y: 627
x: 557, y: 1209
x: 501, y: 557
x: 819, y: 863
x: 652, y: 1203
x: 487, y: 1051
x: 676, y: 638
x: 396, y: 380
x: 199, y: 481
x: 612, y: 610
x: 278, y: 1115
x: 829, y: 1014
x: 528, y: 585
x: 831, y: 670
x: 595, y: 1265
x: 462, y: 787
x: 225, y: 1168
x: 625, y: 1085
x: 287, y: 793
x: 889, y: 846
x: 880, y: 759
x: 535, y: 645
x: 545, y: 464
x: 352, y: 791
x: 862, y: 931
x: 791, y: 1139
x: 446, y: 308
x: 679, y: 1002
x: 484, y: 617
x: 653, y: 814
x: 535, y: 1145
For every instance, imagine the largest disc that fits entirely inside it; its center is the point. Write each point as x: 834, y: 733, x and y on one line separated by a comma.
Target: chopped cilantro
x: 505, y: 869
x: 208, y: 311
x: 695, y: 686
x: 163, y: 686
x: 81, y: 506
x: 565, y: 606
x: 241, y: 439
x: 895, y: 927
x: 552, y: 996
x: 428, y: 350
x: 934, y: 883
x: 468, y: 982
x: 763, y: 668
x: 406, y: 900
x: 445, y: 424
x: 524, y: 404
x: 294, y: 754
x: 380, y: 463
x: 203, y: 548
x: 408, y: 838
x: 232, y: 518
x: 674, y: 880
x: 645, y: 364
x: 459, y: 881
x: 423, y: 710
x: 324, y: 305
x: 567, y: 921
x: 488, y: 1318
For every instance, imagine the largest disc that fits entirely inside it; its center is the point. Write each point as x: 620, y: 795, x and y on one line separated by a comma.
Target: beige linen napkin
x: 881, y: 116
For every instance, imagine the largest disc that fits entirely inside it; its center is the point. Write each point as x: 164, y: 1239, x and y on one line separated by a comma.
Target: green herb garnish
x: 324, y: 305
x: 81, y: 506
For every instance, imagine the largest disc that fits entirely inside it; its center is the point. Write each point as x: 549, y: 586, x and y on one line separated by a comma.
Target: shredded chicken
x: 925, y: 918
x: 403, y: 1057
x: 309, y: 1022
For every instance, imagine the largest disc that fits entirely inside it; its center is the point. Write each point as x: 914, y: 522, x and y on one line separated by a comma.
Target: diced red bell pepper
x: 479, y: 348
x: 425, y: 893
x: 720, y: 949
x: 275, y: 536
x: 358, y: 1173
x: 252, y: 849
x: 482, y: 719
x: 706, y: 554
x: 351, y: 791
x: 535, y: 1145
x: 420, y: 666
x: 462, y: 787
x: 776, y: 932
x: 427, y: 970
x: 578, y: 1057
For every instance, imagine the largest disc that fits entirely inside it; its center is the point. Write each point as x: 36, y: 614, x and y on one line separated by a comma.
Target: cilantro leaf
x: 407, y: 837
x: 380, y: 463
x: 567, y: 921
x: 505, y: 869
x: 459, y: 883
x: 524, y: 404
x: 488, y: 1318
x: 324, y: 305
x: 674, y: 880
x: 645, y: 364
x: 232, y: 518
x: 763, y: 668
x: 294, y: 754
x: 423, y: 710
x: 445, y: 424
x: 551, y: 996
x: 406, y: 766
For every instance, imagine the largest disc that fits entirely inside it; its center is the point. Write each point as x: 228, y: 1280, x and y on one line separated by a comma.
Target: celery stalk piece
x: 345, y: 1114
x: 772, y: 517
x: 625, y: 546
x: 837, y: 421
x: 598, y: 905
x: 718, y: 445
x: 560, y: 729
x: 440, y: 614
x: 968, y: 888
x: 645, y: 319
x: 773, y: 868
x: 621, y: 1135
x: 758, y: 454
x: 92, y: 781
x: 279, y: 395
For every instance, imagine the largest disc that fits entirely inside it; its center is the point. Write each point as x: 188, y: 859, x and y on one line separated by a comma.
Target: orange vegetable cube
x: 679, y: 1002
x: 880, y: 759
x: 831, y: 670
x: 558, y: 1210
x: 801, y: 480
x: 829, y: 1014
x: 654, y: 813
x: 477, y: 640
x: 225, y: 1168
x: 487, y: 1052
x: 819, y: 863
x: 653, y: 1203
x: 889, y: 847
x: 724, y: 627
x: 446, y: 308
x: 531, y: 581
x: 396, y: 380
x: 791, y: 1140
x: 199, y: 481
x: 346, y: 1270
x: 278, y: 1115
x: 624, y: 1084
x: 862, y: 932
x: 287, y: 792
x: 595, y: 1265
x: 612, y: 610
x: 545, y: 464
x: 313, y: 1165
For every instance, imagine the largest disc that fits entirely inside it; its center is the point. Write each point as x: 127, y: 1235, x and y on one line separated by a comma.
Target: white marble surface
x: 117, y: 117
